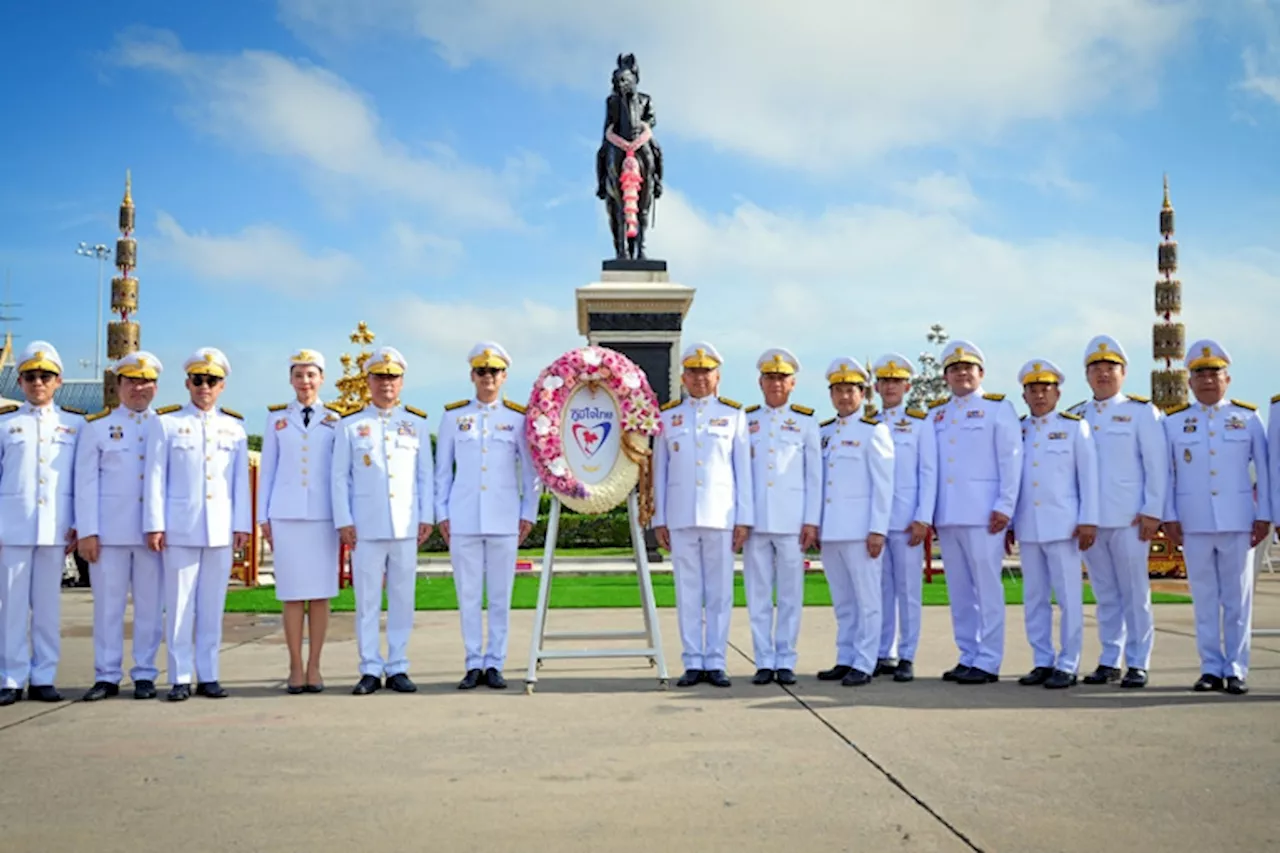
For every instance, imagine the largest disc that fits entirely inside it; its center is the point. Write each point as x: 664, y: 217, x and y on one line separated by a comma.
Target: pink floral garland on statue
x: 637, y: 410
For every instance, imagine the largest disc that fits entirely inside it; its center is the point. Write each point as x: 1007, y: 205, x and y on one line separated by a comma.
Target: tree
x: 255, y: 442
x: 929, y: 384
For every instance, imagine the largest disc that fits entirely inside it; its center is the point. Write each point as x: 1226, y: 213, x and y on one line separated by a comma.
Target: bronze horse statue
x: 629, y: 161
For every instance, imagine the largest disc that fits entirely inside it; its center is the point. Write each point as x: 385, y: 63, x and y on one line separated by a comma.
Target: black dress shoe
x: 785, y: 677
x: 904, y: 671
x: 101, y: 690
x: 1036, y: 677
x: 690, y: 678
x: 716, y: 678
x: 1206, y: 683
x: 293, y: 689
x: 955, y: 672
x: 471, y: 680
x: 886, y: 666
x: 494, y: 679
x: 1134, y: 678
x: 1102, y: 675
x: 43, y: 693
x: 211, y: 690
x: 978, y: 676
x: 401, y: 683
x: 366, y: 685
x: 836, y: 673
x: 1237, y: 686
x: 9, y: 695
x: 144, y: 689
x: 763, y: 676
x: 179, y: 693
x: 1060, y: 680
x: 855, y: 678
x: 313, y: 688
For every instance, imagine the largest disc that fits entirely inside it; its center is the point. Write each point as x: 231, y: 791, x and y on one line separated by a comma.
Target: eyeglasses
x: 486, y: 371
x: 38, y: 376
x: 204, y: 379
x: 775, y: 377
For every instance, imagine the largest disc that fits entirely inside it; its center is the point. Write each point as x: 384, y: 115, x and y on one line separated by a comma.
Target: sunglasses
x: 38, y: 376
x: 486, y: 371
x: 204, y: 379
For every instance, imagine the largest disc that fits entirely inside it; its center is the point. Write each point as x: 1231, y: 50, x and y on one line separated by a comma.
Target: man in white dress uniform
x: 915, y: 493
x: 110, y: 461
x: 1133, y: 476
x: 37, y: 454
x: 485, y: 508
x: 703, y: 509
x: 979, y: 468
x: 1217, y: 513
x: 196, y: 510
x: 786, y: 473
x: 857, y: 500
x: 1055, y: 520
x: 382, y: 506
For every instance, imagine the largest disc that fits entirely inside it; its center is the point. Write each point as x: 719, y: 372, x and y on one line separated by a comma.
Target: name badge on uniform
x: 1057, y: 436
x: 975, y: 413
x: 363, y: 431
x: 505, y: 427
x: 116, y: 433
x: 281, y: 424
x: 790, y: 425
x: 367, y: 460
x: 1121, y: 419
x: 850, y: 442
x: 677, y: 420
x: 72, y: 430
x: 719, y: 422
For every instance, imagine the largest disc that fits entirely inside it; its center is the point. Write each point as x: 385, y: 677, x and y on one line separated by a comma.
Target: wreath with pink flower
x: 595, y: 369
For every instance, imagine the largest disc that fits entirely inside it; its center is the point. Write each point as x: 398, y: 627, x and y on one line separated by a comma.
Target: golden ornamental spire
x: 1166, y: 205
x: 128, y: 189
x: 1168, y: 338
x: 352, y: 387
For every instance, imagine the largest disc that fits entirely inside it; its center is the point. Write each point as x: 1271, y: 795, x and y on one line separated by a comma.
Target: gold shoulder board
x: 936, y: 403
x: 168, y: 410
x: 1275, y: 399
x: 1137, y: 399
x: 354, y: 412
x: 731, y: 403
x: 917, y: 414
x: 11, y: 407
x: 996, y: 398
x: 870, y: 419
x: 72, y: 410
x: 1181, y: 407
x: 1242, y: 404
x: 1070, y: 416
x: 277, y: 407
x: 414, y: 410
x: 98, y: 415
x: 334, y: 407
x: 801, y: 410
x: 671, y: 404
x: 513, y: 405
x: 827, y: 422
x: 231, y: 412
x: 456, y: 404
x: 752, y: 408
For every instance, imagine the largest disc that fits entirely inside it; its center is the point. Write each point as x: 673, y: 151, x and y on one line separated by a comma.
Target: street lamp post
x: 101, y: 252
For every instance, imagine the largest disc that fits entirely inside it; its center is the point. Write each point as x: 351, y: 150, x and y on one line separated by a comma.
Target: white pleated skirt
x: 306, y: 559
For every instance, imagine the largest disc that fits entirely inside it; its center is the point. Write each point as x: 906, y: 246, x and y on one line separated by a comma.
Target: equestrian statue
x: 629, y: 162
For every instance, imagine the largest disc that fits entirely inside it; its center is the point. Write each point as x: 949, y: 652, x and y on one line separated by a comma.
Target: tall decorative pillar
x: 1168, y: 339
x: 123, y: 335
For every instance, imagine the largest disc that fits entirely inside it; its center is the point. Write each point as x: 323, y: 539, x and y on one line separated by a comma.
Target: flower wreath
x: 640, y: 420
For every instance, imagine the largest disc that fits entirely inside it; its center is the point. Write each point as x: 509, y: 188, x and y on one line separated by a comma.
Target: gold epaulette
x: 755, y: 407
x: 1275, y: 399
x: 1070, y: 416
x: 513, y: 405
x: 414, y: 410
x: 1137, y: 399
x: 871, y: 419
x: 1242, y: 404
x: 1023, y: 418
x: 995, y: 398
x: 277, y: 407
x: 731, y: 403
x: 1181, y: 407
x: 917, y: 414
x: 334, y: 407
x: 354, y: 412
x: 231, y: 413
x: 873, y: 413
x: 456, y: 404
x: 827, y: 422
x: 671, y: 404
x: 168, y: 410
x: 936, y: 403
x: 800, y: 410
x: 72, y: 410
x: 7, y: 409
x: 97, y: 416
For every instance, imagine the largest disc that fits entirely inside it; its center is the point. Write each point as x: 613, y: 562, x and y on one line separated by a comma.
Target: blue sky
x: 840, y: 176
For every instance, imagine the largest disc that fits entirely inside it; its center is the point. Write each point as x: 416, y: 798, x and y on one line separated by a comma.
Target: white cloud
x: 822, y: 86
x: 307, y: 114
x: 425, y: 251
x: 259, y: 255
x: 938, y: 192
x: 1261, y: 60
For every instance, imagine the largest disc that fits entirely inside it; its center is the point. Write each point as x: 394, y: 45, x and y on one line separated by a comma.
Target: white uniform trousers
x: 484, y: 566
x: 854, y: 580
x: 121, y: 568
x: 30, y: 598
x: 901, y: 576
x: 971, y: 562
x: 1220, y: 572
x: 1118, y: 574
x: 195, y: 595
x: 1053, y: 567
x: 702, y: 559
x: 774, y: 561
x: 395, y: 562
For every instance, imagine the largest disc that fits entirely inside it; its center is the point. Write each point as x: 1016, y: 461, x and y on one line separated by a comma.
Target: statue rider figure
x: 627, y: 75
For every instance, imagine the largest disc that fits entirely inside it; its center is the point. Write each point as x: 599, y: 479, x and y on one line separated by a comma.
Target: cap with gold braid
x: 1104, y: 348
x: 40, y: 355
x: 962, y: 352
x: 386, y: 361
x: 139, y: 365
x: 488, y: 354
x: 1206, y: 354
x: 1040, y: 371
x: 846, y: 370
x: 892, y: 365
x: 208, y: 361
x: 778, y: 360
x: 701, y: 355
x: 307, y: 356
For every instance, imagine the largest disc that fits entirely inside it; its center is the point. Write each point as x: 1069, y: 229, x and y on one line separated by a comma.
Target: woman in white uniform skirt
x: 295, y: 511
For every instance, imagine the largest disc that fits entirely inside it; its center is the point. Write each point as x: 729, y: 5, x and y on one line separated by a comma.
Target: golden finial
x: 128, y: 189
x: 1167, y: 205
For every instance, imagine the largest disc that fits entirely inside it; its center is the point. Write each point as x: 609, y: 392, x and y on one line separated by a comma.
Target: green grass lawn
x: 619, y: 590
